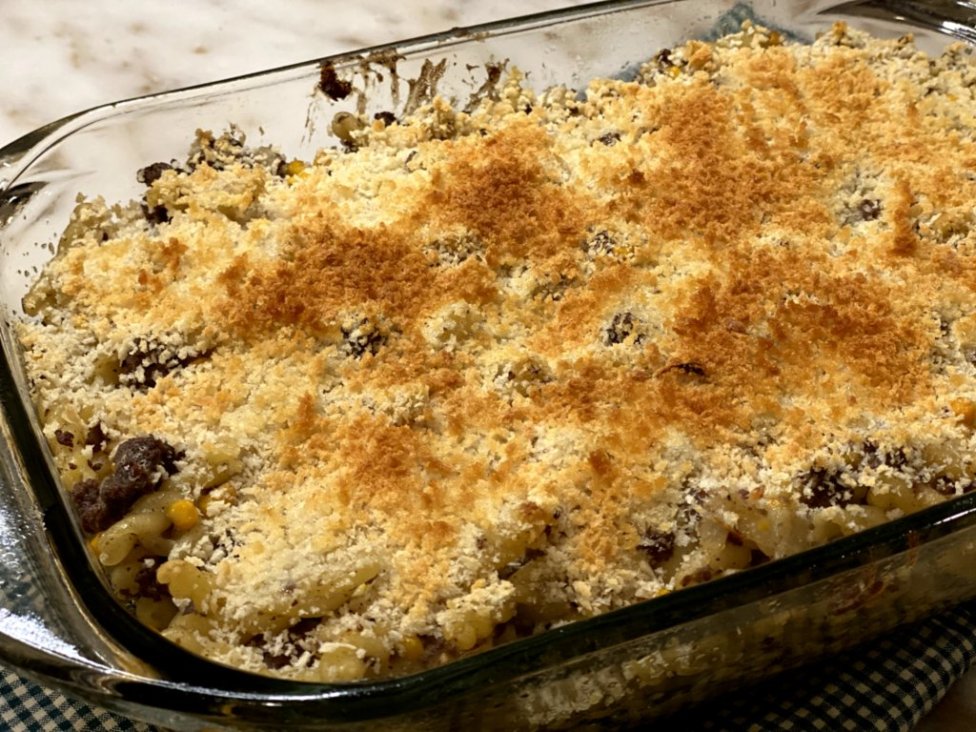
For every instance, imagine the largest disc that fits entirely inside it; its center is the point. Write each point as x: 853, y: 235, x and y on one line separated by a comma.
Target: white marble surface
x: 60, y: 56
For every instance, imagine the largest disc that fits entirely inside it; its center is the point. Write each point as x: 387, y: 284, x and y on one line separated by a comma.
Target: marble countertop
x: 61, y: 56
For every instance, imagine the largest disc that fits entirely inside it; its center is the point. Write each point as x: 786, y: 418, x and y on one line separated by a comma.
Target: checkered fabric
x: 883, y: 686
x: 27, y: 707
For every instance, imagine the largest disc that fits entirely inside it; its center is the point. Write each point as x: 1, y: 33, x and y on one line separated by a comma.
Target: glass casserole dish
x: 643, y: 660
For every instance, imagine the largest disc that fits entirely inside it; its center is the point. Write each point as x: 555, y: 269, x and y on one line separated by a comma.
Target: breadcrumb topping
x: 486, y: 373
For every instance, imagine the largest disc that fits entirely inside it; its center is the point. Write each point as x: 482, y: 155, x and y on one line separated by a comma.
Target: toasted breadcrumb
x: 491, y: 372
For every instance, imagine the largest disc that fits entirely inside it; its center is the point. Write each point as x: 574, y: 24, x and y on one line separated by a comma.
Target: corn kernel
x: 965, y: 410
x: 413, y: 648
x: 674, y: 72
x: 295, y: 167
x: 183, y: 514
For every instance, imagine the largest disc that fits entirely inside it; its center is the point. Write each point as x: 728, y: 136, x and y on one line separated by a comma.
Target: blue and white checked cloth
x: 884, y: 686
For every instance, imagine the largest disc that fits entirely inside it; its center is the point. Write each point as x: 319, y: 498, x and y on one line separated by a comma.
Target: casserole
x: 645, y: 670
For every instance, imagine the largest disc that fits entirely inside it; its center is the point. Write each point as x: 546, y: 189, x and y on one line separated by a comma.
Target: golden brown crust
x: 552, y: 357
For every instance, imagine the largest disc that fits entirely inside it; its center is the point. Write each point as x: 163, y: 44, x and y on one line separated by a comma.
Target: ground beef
x: 623, y: 326
x: 658, y: 546
x: 95, y: 437
x: 91, y: 510
x: 361, y: 338
x: 821, y: 488
x: 151, y: 173
x: 137, y: 472
x: 147, y: 362
x: 64, y: 437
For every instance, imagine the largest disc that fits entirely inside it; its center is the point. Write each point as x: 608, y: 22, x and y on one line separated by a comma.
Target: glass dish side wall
x: 48, y: 618
x: 663, y: 672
